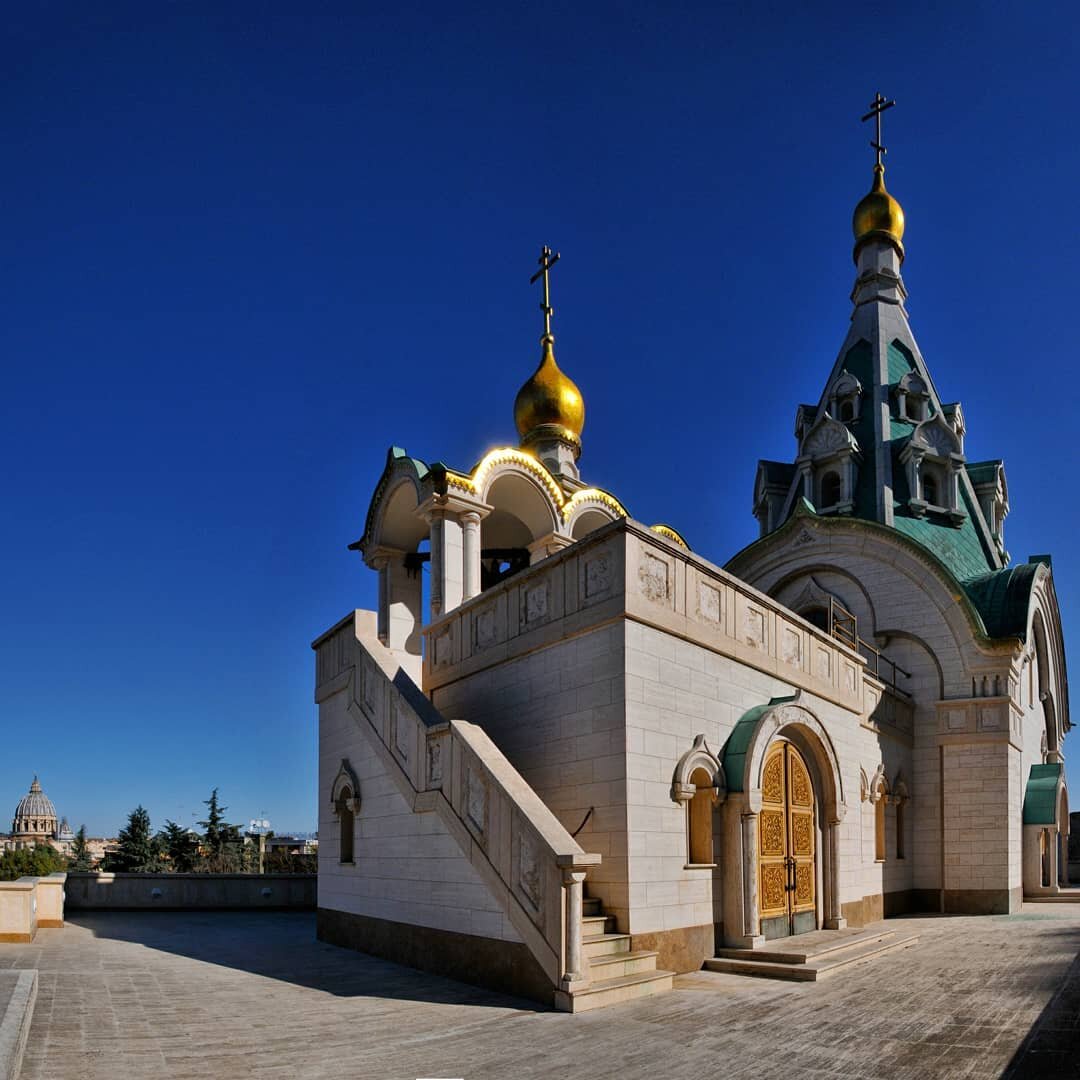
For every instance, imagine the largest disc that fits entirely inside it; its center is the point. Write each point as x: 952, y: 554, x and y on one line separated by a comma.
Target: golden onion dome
x: 878, y: 214
x: 549, y: 399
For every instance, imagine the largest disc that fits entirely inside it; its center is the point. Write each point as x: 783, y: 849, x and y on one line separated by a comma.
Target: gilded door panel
x: 787, y: 883
x: 772, y: 837
x: 801, y: 830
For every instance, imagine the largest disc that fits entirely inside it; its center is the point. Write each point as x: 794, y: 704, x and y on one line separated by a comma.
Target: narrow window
x: 830, y: 489
x: 700, y: 819
x: 879, y: 829
x: 847, y: 411
x: 346, y: 822
x: 900, y: 830
x: 930, y: 489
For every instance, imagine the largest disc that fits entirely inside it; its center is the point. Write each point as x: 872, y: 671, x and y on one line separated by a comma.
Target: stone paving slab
x: 223, y: 995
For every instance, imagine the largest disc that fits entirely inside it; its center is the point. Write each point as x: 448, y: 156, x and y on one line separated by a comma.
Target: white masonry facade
x: 593, y: 757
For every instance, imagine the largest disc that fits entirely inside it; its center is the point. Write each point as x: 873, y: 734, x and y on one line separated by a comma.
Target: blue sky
x: 241, y: 255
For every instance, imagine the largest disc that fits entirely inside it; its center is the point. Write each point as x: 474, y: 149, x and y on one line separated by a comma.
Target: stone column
x: 470, y: 543
x: 400, y: 602
x: 573, y: 885
x: 547, y: 545
x: 446, y: 561
x: 833, y: 920
x: 1052, y: 844
x: 751, y: 914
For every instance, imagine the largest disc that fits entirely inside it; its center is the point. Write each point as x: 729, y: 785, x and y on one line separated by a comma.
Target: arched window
x: 930, y: 489
x: 700, y: 819
x: 900, y: 830
x: 347, y: 824
x: 847, y: 411
x: 879, y: 829
x: 830, y: 489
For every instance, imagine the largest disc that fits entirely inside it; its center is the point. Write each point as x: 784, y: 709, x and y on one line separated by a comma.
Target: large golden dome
x: 878, y: 214
x: 550, y: 399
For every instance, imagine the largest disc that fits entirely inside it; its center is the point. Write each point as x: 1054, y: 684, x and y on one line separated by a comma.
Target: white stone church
x: 598, y: 758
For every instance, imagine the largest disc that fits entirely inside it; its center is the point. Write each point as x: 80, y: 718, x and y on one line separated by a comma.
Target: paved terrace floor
x: 234, y: 995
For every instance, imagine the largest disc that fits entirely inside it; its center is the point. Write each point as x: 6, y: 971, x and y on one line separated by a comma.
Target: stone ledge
x: 18, y: 993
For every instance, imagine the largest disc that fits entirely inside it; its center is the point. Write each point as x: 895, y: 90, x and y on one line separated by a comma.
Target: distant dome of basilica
x: 35, y: 806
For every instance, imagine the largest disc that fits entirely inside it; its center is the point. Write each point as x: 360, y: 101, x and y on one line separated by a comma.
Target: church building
x: 595, y: 758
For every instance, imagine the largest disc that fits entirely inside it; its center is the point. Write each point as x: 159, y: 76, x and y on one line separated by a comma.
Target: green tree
x: 37, y: 861
x: 180, y: 846
x: 222, y: 843
x: 81, y: 862
x: 137, y: 851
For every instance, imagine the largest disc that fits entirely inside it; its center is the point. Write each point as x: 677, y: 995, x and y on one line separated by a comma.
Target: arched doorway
x: 786, y: 847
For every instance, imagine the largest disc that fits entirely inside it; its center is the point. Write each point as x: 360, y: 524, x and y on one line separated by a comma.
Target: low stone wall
x: 187, y: 892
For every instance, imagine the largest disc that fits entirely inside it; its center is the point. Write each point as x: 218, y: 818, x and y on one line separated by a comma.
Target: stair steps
x: 617, y: 973
x: 811, y: 962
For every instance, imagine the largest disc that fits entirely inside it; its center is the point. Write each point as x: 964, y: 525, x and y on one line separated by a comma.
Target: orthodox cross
x: 547, y: 260
x: 877, y: 107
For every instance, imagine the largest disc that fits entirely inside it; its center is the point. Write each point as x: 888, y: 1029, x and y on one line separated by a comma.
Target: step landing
x: 814, y: 956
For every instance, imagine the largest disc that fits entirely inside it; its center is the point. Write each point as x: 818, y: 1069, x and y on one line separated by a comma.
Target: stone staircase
x: 617, y: 974
x: 813, y: 956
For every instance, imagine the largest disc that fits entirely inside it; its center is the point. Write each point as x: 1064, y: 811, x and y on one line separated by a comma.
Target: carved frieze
x: 597, y: 574
x: 708, y: 602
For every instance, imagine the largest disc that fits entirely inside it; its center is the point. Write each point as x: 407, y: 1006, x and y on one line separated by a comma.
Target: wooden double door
x: 786, y: 830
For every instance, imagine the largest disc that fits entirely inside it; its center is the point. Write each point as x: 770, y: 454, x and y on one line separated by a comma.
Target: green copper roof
x: 733, y: 756
x: 1040, y: 798
x: 1003, y: 598
x: 983, y: 472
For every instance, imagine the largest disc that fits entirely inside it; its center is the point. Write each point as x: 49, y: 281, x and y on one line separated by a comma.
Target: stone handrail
x: 525, y: 856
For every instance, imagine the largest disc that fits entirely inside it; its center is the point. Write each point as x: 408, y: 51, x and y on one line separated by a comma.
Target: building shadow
x: 1052, y: 1047
x: 282, y: 945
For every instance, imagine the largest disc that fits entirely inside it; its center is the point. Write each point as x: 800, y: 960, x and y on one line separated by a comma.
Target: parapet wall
x: 173, y: 892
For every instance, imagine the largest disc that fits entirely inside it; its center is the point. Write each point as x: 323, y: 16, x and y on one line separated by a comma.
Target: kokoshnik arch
x: 597, y: 757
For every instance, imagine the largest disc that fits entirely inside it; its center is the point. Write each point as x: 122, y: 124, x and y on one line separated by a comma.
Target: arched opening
x: 589, y: 521
x: 879, y: 829
x: 346, y: 825
x: 699, y: 819
x: 522, y: 514
x: 817, y: 616
x: 847, y: 411
x: 931, y: 493
x: 900, y: 830
x: 830, y: 489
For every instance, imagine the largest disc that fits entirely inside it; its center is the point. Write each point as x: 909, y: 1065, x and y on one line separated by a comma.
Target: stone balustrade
x: 29, y: 904
x: 626, y: 570
x: 528, y: 860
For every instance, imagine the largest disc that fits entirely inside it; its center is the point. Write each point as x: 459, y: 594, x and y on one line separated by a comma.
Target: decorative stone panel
x: 444, y: 648
x: 484, y: 632
x: 709, y: 605
x: 653, y: 578
x: 403, y: 729
x: 792, y: 647
x: 754, y: 627
x: 476, y: 800
x: 529, y: 877
x: 536, y: 602
x: 598, y: 575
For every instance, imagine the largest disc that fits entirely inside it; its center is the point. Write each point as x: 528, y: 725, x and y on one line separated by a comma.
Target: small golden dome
x: 549, y: 399
x: 878, y: 214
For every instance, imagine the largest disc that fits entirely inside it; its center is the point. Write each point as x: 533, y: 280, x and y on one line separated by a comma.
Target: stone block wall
x: 407, y: 868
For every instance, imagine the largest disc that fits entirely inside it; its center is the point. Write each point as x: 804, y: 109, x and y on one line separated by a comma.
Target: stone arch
x: 589, y: 510
x: 525, y: 504
x: 391, y: 520
x: 799, y: 724
x: 743, y: 761
x: 814, y: 590
x: 699, y: 756
x: 345, y: 779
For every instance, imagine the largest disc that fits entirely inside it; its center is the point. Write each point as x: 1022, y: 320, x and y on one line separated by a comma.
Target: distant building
x: 292, y: 845
x: 35, y: 820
